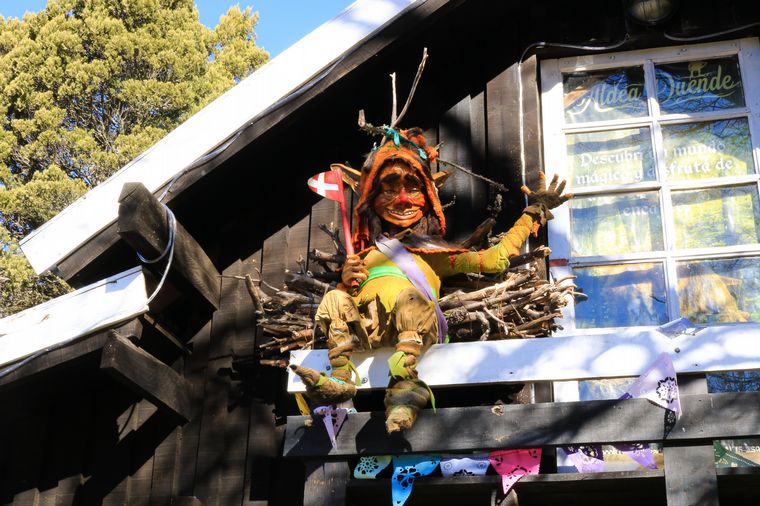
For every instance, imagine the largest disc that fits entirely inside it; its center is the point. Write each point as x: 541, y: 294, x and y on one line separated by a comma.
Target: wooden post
x: 690, y: 476
x: 143, y: 224
x: 325, y: 483
x: 147, y: 376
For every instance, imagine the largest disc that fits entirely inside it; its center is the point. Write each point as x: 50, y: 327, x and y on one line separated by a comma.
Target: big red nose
x: 403, y: 198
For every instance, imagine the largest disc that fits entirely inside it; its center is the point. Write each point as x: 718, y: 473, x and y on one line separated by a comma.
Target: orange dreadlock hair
x: 410, y: 147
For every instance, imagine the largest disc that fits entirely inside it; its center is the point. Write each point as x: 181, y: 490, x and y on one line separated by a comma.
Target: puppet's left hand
x: 552, y: 196
x: 539, y: 202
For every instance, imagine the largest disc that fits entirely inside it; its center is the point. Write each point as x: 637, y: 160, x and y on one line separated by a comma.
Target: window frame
x: 747, y: 51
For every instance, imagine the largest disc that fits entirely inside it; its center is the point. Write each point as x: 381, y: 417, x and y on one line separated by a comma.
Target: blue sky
x: 282, y: 22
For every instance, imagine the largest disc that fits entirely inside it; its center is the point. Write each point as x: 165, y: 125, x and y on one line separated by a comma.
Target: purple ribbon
x: 393, y: 249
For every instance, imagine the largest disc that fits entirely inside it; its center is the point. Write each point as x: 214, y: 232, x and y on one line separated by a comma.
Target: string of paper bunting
x: 511, y: 465
x: 658, y: 384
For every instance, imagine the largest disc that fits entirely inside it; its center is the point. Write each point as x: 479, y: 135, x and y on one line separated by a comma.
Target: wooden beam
x: 143, y: 224
x: 187, y: 501
x: 146, y: 376
x: 526, y: 426
x: 72, y: 264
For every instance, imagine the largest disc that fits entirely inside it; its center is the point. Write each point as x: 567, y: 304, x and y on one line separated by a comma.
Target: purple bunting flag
x: 639, y: 452
x: 476, y: 465
x: 333, y: 418
x: 586, y: 459
x: 658, y: 384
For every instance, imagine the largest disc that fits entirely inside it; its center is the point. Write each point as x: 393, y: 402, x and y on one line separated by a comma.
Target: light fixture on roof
x: 649, y: 12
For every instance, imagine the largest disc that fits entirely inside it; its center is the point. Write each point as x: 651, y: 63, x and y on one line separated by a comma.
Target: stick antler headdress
x: 410, y: 147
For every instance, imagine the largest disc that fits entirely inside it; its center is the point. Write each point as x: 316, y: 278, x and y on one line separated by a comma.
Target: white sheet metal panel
x: 64, y: 233
x: 717, y: 348
x: 94, y: 307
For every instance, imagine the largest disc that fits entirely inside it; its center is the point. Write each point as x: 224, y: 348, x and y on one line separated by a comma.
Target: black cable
x: 539, y: 45
x: 695, y: 38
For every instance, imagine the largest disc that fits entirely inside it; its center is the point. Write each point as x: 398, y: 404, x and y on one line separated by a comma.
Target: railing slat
x: 705, y: 417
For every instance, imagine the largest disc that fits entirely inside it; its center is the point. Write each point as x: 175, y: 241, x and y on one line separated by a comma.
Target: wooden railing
x: 689, y: 476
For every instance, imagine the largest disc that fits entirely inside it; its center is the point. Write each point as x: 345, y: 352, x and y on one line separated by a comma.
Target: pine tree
x: 87, y: 85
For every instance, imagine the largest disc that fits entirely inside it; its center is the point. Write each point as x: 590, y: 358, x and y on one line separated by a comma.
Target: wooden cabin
x: 650, y: 109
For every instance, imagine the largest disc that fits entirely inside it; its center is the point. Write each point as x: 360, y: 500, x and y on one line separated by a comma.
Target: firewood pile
x: 518, y: 304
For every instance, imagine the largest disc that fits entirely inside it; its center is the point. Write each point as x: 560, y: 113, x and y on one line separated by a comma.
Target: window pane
x: 735, y: 452
x: 614, y: 224
x: 699, y: 86
x: 716, y: 217
x: 621, y: 296
x: 735, y: 381
x: 709, y: 149
x: 604, y: 95
x: 720, y: 291
x: 610, y: 158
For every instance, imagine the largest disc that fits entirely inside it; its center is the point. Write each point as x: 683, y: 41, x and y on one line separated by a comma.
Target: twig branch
x: 335, y: 236
x: 253, y: 291
x: 396, y: 121
x: 394, y: 108
x: 493, y: 183
x: 369, y: 127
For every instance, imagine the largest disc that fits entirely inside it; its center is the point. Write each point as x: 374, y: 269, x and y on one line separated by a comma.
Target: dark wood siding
x: 77, y: 437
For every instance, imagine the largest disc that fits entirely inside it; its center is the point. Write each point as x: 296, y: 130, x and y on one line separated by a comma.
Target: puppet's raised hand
x: 545, y: 198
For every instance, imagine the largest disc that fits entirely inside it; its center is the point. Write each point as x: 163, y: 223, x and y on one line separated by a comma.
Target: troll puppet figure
x: 389, y: 290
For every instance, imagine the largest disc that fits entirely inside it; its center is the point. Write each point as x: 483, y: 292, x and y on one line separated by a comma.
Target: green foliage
x: 86, y: 86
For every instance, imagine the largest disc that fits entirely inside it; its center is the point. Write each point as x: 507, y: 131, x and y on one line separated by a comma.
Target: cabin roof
x: 214, y: 127
x: 59, y: 321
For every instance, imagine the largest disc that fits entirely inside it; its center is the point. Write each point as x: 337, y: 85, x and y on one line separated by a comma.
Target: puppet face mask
x: 401, y: 201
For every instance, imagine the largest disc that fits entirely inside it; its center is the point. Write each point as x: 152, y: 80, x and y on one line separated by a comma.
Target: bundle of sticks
x: 518, y: 304
x: 285, y: 320
x: 521, y: 305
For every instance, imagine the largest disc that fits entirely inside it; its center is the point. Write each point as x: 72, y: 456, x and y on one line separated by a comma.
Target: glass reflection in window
x: 610, y: 158
x: 616, y: 224
x: 699, y: 86
x: 604, y: 95
x: 707, y: 150
x: 621, y: 295
x: 716, y: 217
x: 720, y: 291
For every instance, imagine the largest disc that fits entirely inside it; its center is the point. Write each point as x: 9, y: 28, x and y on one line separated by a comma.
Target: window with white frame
x: 660, y: 148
